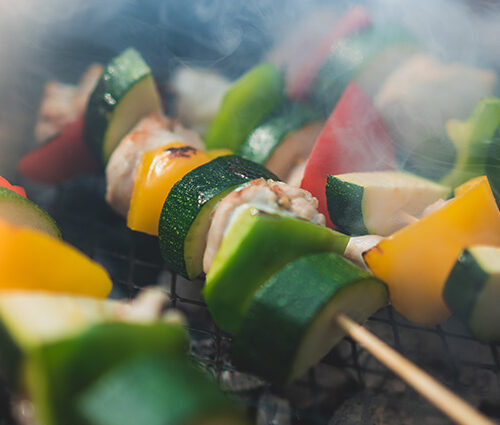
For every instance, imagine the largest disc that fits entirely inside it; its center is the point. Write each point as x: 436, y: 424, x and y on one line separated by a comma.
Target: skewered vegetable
x: 159, y: 170
x: 415, y: 261
x: 255, y: 246
x: 284, y: 138
x: 185, y: 217
x: 472, y: 291
x: 493, y: 165
x: 158, y: 390
x: 379, y: 202
x: 125, y: 93
x: 245, y: 104
x: 64, y: 157
x: 33, y: 260
x: 290, y: 324
x: 353, y: 139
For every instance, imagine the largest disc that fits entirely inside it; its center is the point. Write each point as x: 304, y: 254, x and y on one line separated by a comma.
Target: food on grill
x: 283, y: 139
x: 186, y: 213
x: 158, y: 390
x: 158, y: 171
x: 366, y: 57
x: 61, y: 158
x: 353, y: 139
x: 18, y: 210
x: 151, y: 132
x: 305, y: 65
x: 30, y: 259
x: 290, y: 323
x: 255, y: 246
x: 416, y: 260
x: 245, y: 104
x: 417, y: 99
x: 198, y: 96
x: 125, y: 93
x: 472, y: 139
x: 472, y: 291
x: 379, y: 202
x: 63, y: 104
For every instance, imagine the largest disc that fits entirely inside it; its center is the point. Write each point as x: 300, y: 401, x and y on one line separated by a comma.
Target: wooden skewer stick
x: 445, y: 400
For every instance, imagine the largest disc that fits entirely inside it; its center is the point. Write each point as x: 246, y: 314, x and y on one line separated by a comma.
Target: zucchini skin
x: 344, y: 201
x: 283, y: 310
x: 188, y: 196
x: 493, y: 165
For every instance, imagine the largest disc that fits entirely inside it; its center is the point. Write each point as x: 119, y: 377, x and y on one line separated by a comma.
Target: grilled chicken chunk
x: 151, y: 132
x: 266, y: 195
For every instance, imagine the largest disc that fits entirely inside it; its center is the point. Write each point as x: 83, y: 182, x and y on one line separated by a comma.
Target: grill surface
x: 348, y: 387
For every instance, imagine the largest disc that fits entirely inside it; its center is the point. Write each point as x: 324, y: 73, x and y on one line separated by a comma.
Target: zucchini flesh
x: 20, y: 211
x: 472, y: 291
x: 290, y: 323
x: 186, y: 213
x: 255, y: 246
x: 378, y: 202
x: 125, y: 93
x: 156, y: 390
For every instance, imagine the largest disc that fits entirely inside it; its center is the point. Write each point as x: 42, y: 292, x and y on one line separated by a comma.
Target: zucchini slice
x: 255, y: 246
x: 186, y: 213
x: 153, y: 390
x: 18, y: 210
x: 472, y: 291
x: 289, y: 326
x: 493, y: 165
x: 267, y: 136
x: 379, y: 202
x: 245, y: 104
x: 125, y: 93
x: 366, y: 57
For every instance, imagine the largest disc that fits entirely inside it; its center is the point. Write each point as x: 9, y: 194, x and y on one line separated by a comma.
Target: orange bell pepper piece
x: 416, y: 260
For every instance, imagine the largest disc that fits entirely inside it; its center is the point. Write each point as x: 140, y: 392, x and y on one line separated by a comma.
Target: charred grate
x: 347, y: 387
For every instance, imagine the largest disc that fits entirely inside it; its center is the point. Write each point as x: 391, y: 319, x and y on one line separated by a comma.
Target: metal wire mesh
x: 347, y: 387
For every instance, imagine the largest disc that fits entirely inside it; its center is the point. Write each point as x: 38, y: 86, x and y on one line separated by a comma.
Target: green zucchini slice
x: 125, y: 93
x: 493, y: 165
x: 245, y: 104
x: 266, y: 137
x: 366, y: 57
x: 153, y: 390
x: 255, y: 246
x: 379, y: 202
x: 18, y: 210
x: 290, y: 324
x: 186, y: 213
x: 472, y: 291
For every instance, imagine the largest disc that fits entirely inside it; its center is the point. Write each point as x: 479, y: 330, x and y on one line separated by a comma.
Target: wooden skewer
x: 445, y: 400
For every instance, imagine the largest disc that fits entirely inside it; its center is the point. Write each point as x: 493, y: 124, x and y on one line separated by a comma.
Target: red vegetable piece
x: 61, y: 158
x: 298, y: 81
x: 18, y: 189
x: 353, y: 139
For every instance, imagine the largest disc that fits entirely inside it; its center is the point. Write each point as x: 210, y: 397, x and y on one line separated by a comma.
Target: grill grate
x: 348, y: 387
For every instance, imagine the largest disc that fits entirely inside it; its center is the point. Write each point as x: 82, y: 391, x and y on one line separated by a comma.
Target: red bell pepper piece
x: 298, y: 82
x: 61, y: 158
x: 18, y: 189
x: 354, y: 138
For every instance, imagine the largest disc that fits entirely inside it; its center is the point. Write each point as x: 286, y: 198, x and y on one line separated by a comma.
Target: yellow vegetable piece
x: 160, y: 169
x: 415, y: 261
x: 31, y: 260
x: 214, y: 153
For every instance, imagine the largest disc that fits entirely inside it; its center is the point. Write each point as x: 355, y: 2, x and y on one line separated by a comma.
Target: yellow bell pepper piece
x: 215, y: 153
x: 160, y: 169
x: 32, y: 260
x: 415, y: 261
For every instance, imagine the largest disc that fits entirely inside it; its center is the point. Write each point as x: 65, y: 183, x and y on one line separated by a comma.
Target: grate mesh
x: 347, y: 387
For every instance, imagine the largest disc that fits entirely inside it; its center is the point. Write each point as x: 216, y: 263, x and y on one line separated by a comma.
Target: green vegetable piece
x: 246, y: 103
x: 153, y: 390
x: 256, y: 246
x: 472, y: 291
x: 290, y: 324
x: 472, y: 139
x: 493, y: 165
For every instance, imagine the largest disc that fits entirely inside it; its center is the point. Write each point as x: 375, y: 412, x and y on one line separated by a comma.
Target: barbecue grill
x: 349, y: 386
